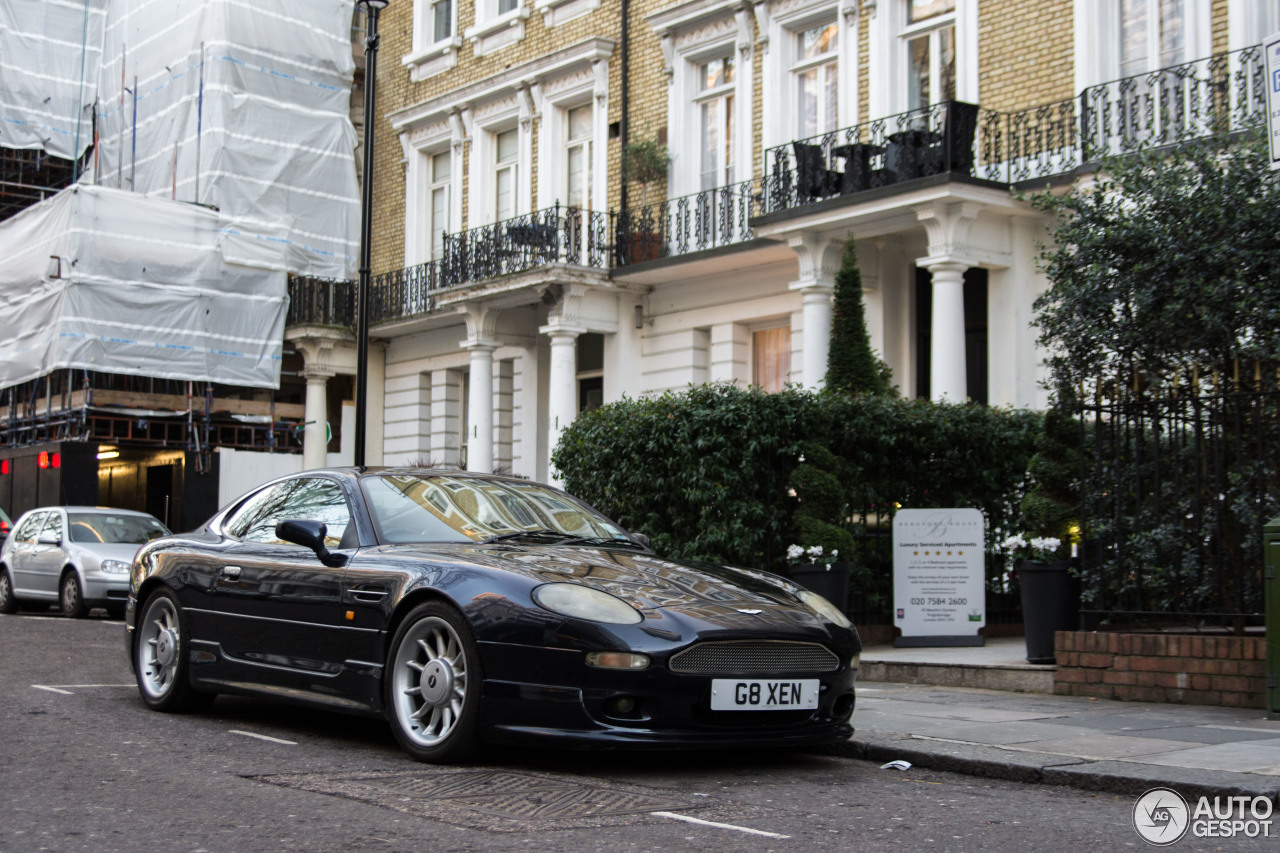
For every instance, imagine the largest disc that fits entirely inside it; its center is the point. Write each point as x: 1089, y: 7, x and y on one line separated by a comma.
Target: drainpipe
x: 622, y: 119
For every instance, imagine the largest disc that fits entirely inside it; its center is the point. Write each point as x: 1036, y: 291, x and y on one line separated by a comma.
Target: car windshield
x: 87, y: 527
x: 427, y: 508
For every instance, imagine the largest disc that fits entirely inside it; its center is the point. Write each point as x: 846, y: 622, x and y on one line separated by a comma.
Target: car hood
x: 725, y: 596
x: 99, y: 551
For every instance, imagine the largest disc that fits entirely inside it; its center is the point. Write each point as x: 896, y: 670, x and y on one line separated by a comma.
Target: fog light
x: 621, y: 705
x: 617, y: 660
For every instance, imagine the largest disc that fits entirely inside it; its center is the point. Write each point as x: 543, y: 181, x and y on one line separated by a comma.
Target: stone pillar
x: 480, y: 409
x: 819, y: 258
x: 947, y: 380
x: 315, y: 441
x: 562, y: 393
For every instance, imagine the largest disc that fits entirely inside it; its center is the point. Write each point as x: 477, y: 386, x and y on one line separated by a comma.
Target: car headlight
x: 115, y: 567
x: 824, y: 608
x: 583, y: 602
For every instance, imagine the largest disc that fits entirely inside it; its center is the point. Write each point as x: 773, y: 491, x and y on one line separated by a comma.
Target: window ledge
x: 556, y: 12
x: 498, y: 32
x: 437, y: 59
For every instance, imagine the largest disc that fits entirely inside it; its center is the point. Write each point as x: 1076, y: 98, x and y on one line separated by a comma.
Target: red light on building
x: 56, y: 460
x: 4, y: 466
x: 43, y: 459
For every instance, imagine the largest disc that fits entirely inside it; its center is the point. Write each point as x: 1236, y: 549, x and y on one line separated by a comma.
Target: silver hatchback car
x: 77, y: 556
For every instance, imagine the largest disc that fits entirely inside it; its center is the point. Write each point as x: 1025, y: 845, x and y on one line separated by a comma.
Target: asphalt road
x: 85, y: 766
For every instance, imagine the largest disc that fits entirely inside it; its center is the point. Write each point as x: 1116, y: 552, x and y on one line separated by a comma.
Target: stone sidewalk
x: 1094, y: 744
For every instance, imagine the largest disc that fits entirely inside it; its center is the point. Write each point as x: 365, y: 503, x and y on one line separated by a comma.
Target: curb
x: 1119, y: 777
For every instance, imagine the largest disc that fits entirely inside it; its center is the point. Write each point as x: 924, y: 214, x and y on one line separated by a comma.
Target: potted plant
x: 1050, y: 591
x: 813, y: 562
x: 644, y: 161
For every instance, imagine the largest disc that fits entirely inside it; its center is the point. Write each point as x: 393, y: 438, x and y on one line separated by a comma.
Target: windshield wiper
x: 602, y: 540
x: 517, y: 534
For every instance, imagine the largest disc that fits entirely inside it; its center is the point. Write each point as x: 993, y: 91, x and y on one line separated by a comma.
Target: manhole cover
x: 493, y: 800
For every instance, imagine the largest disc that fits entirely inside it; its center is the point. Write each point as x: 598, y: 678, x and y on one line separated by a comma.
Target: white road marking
x: 711, y: 823
x: 52, y: 689
x: 263, y: 737
x: 97, y: 685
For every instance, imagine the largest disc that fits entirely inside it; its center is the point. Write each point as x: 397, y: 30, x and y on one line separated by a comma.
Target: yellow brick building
x: 519, y: 279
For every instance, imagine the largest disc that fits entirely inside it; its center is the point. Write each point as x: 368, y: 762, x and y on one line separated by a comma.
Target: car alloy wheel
x: 433, y: 684
x: 160, y: 657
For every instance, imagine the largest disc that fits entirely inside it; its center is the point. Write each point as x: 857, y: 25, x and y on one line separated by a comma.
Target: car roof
x: 97, y: 510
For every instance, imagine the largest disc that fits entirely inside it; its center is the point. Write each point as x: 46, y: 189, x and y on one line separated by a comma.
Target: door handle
x: 231, y: 573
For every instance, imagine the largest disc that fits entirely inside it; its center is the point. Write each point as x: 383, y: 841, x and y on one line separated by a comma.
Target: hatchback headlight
x: 115, y: 567
x: 824, y: 608
x: 583, y: 602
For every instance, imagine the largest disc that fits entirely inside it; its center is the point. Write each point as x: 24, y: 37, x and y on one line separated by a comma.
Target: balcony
x: 1056, y: 141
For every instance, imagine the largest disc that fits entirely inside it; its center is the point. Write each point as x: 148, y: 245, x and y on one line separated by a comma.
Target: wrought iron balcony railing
x: 320, y: 302
x: 692, y: 223
x: 1193, y: 100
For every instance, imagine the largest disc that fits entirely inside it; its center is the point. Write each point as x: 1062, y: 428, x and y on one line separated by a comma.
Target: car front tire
x: 432, y: 685
x: 71, y: 596
x: 161, y: 651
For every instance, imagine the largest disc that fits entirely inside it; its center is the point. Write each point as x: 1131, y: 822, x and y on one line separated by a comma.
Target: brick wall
x: 1192, y: 670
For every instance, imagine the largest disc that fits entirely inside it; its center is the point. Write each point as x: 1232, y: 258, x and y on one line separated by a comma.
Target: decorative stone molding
x: 482, y: 325
x: 437, y: 59
x: 497, y: 33
x: 818, y: 256
x: 557, y: 12
x: 948, y: 228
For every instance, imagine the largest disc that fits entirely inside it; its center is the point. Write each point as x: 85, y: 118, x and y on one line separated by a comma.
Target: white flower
x: 1013, y: 542
x: 815, y: 551
x: 794, y: 552
x: 1045, y: 543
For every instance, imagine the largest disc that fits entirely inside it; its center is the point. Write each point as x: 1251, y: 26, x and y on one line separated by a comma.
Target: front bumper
x: 101, y: 589
x: 573, y: 705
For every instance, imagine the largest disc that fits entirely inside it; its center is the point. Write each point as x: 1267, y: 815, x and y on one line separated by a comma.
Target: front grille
x: 754, y: 657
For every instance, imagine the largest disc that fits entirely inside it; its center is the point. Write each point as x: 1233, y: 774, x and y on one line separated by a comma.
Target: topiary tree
x: 823, y: 504
x: 852, y: 366
x: 1052, y: 506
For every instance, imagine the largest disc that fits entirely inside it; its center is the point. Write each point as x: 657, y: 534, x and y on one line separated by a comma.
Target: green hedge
x: 705, y: 472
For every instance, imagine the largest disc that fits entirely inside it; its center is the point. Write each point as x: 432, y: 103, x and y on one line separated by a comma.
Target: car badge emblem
x: 751, y: 612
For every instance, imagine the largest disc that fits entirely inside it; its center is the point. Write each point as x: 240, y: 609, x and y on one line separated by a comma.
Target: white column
x: 315, y: 442
x: 946, y: 324
x: 562, y: 394
x: 819, y: 259
x: 480, y: 409
x: 817, y: 334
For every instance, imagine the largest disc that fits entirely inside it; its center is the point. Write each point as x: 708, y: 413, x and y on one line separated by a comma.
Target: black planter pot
x: 1050, y: 602
x: 832, y: 584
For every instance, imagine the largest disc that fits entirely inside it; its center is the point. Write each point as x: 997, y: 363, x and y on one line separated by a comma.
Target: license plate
x: 729, y: 694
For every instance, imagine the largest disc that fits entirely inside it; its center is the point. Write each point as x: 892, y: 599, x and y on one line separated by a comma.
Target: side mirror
x: 641, y: 538
x: 48, y: 539
x: 309, y: 534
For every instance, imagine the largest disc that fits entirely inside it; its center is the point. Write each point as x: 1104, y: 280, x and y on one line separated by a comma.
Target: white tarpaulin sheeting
x: 108, y: 280
x: 50, y: 54
x: 244, y: 106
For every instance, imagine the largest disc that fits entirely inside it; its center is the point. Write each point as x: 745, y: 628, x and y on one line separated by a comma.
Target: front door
x: 279, y: 609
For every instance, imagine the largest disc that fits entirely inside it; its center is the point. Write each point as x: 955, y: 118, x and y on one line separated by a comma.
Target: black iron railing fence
x: 1178, y: 479
x: 320, y: 301
x: 1176, y: 104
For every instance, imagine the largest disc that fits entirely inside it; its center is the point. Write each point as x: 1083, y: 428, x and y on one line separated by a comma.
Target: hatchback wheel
x: 432, y: 685
x: 71, y: 597
x: 8, y: 604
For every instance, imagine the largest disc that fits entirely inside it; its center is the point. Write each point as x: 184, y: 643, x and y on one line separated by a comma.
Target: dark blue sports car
x: 466, y: 608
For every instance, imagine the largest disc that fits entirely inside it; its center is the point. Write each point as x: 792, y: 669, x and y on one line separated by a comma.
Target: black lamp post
x: 371, y: 9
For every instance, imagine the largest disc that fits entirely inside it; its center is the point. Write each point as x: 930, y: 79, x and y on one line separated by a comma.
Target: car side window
x: 29, y: 528
x: 53, y: 525
x: 309, y: 498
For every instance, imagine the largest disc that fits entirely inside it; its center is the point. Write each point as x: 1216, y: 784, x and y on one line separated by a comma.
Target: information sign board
x: 939, y: 588
x: 1271, y: 63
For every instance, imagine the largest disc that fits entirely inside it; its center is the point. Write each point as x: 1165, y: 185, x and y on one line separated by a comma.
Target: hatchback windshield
x: 416, y: 508
x: 114, y: 528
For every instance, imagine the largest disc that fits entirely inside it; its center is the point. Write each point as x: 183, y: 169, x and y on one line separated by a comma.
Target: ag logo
x: 1161, y: 816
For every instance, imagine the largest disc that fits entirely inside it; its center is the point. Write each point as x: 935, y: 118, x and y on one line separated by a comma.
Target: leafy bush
x: 706, y: 473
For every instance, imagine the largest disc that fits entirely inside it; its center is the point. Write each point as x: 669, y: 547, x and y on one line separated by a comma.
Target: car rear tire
x: 8, y: 604
x: 161, y: 657
x: 71, y: 596
x: 432, y: 685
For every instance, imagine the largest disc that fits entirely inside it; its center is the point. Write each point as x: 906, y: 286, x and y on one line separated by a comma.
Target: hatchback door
x: 47, y: 558
x: 22, y: 550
